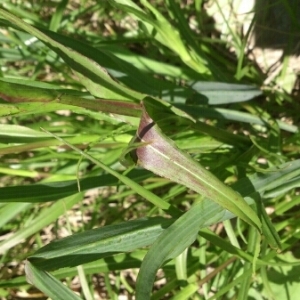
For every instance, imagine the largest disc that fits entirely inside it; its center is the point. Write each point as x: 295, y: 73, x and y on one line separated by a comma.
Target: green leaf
x: 53, y: 191
x: 10, y: 133
x: 94, y: 244
x: 170, y: 244
x: 151, y: 197
x: 126, y: 68
x: 58, y: 15
x: 216, y: 93
x: 163, y: 113
x: 141, y: 232
x: 46, y: 216
x: 163, y: 32
x: 162, y: 157
x: 32, y: 92
x: 48, y: 284
x: 283, y: 280
x: 269, y: 230
x: 10, y: 210
x: 121, y: 261
x: 198, y: 112
x: 91, y: 74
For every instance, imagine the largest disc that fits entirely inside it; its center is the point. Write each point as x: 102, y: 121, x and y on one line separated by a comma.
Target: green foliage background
x: 78, y: 81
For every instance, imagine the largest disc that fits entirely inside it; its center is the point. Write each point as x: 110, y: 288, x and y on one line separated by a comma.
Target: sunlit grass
x: 61, y: 145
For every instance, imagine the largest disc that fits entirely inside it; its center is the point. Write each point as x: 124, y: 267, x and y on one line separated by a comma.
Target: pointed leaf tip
x: 160, y: 155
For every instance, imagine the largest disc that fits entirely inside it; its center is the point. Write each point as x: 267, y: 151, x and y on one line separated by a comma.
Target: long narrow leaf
x: 94, y: 244
x: 154, y: 199
x: 15, y: 92
x: 216, y: 93
x: 165, y: 33
x: 170, y: 244
x: 143, y: 231
x: 121, y: 261
x: 162, y: 157
x: 48, y: 284
x: 91, y: 74
x: 198, y: 111
x: 57, y: 190
x: 46, y: 216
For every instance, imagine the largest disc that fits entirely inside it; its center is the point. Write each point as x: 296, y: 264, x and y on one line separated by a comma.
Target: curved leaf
x: 32, y: 92
x: 97, y: 243
x: 47, y: 215
x: 170, y: 244
x: 90, y: 74
x: 206, y: 213
x: 216, y: 93
x: 160, y: 155
x: 48, y: 284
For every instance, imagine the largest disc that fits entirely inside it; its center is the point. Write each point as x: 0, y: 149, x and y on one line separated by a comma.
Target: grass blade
x: 48, y: 284
x: 57, y: 190
x: 91, y: 74
x: 204, y: 214
x: 94, y: 244
x: 47, y: 215
x: 14, y: 93
x: 170, y: 244
x: 160, y: 156
x: 157, y: 201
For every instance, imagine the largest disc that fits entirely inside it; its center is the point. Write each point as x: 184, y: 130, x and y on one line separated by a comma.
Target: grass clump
x: 138, y: 160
